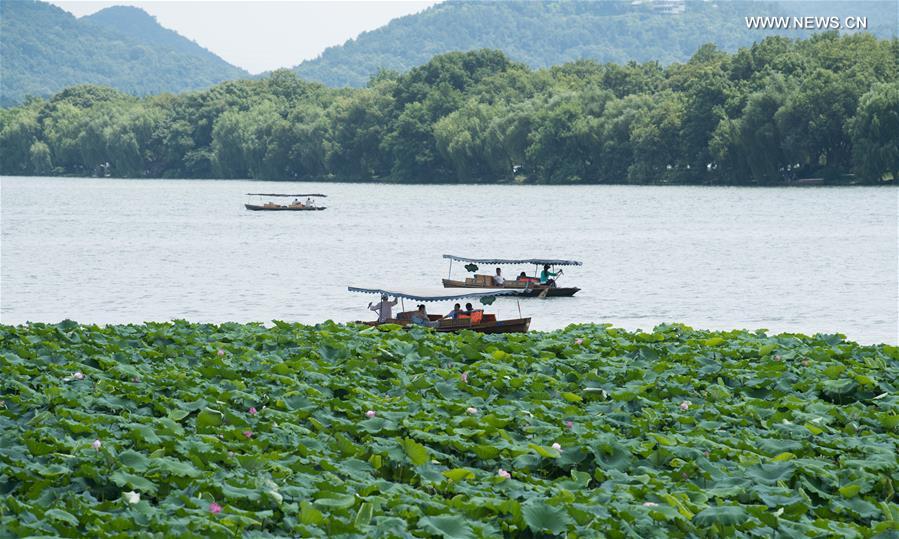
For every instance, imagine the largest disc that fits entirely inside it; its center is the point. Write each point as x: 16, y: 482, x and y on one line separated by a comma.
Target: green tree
x: 41, y: 162
x: 875, y: 133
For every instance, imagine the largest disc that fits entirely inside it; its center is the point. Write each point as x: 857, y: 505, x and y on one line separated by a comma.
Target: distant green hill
x: 45, y: 49
x: 543, y: 34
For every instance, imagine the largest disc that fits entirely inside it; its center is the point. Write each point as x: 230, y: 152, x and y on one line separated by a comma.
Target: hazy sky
x: 260, y: 36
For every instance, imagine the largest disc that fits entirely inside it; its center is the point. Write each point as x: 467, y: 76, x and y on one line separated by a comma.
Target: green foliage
x: 46, y: 49
x: 673, y: 433
x: 777, y: 111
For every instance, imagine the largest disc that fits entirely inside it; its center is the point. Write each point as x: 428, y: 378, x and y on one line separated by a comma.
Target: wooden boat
x: 512, y: 325
x: 529, y: 287
x: 271, y: 206
x: 478, y: 321
x: 276, y: 207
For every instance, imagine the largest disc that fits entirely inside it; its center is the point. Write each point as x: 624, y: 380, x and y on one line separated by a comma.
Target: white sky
x: 260, y: 36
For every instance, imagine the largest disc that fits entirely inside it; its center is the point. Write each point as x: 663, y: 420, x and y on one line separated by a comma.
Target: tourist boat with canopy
x: 478, y: 320
x: 528, y: 285
x: 298, y: 203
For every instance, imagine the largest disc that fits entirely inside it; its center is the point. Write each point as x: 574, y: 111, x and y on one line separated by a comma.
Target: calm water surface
x: 108, y: 251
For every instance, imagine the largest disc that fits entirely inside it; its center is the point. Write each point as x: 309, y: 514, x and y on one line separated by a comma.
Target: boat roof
x: 283, y: 195
x: 500, y: 261
x: 438, y: 294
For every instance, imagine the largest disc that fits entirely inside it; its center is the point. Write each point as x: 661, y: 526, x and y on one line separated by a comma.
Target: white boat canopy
x: 518, y: 261
x: 283, y: 195
x: 439, y: 294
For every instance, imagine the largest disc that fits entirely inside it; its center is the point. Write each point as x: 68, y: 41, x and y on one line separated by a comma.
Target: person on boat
x: 384, y: 308
x: 309, y: 202
x: 468, y: 309
x: 498, y: 279
x: 523, y: 276
x: 546, y: 276
x: 455, y: 313
x: 420, y: 317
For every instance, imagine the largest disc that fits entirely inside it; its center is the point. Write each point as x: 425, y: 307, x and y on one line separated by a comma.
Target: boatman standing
x: 384, y: 308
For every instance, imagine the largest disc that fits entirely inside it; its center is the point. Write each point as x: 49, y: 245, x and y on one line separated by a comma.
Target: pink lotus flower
x: 557, y: 446
x: 220, y: 353
x: 650, y: 504
x: 78, y: 375
x: 252, y: 410
x: 504, y: 474
x: 215, y: 508
x: 248, y: 433
x: 464, y: 377
x: 579, y: 341
x: 370, y: 414
x: 685, y: 405
x: 569, y: 424
x: 96, y: 445
x: 471, y: 410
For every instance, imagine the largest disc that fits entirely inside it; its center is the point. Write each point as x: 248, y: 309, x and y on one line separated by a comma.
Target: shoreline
x: 753, y: 185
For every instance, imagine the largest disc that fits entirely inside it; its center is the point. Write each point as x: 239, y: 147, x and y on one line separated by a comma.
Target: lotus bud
x: 371, y: 413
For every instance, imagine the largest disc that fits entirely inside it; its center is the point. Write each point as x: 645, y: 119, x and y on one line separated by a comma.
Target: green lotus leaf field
x: 181, y: 429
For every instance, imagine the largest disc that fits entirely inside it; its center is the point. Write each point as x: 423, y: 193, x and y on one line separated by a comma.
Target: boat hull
x: 514, y: 325
x: 254, y: 207
x: 529, y: 292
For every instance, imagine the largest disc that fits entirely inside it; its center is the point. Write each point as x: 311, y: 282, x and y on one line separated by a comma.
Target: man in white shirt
x: 384, y: 308
x: 498, y: 279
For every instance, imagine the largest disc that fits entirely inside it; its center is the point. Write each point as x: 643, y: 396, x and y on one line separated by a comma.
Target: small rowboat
x: 478, y: 321
x: 529, y: 287
x: 276, y: 207
x: 294, y: 206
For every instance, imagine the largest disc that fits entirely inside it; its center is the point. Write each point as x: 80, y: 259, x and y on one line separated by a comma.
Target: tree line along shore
x: 773, y: 113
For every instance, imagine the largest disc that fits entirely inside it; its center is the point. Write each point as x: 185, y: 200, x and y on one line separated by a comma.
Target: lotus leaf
x: 339, y: 430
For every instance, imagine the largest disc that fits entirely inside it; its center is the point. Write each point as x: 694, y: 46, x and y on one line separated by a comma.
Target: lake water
x: 108, y: 251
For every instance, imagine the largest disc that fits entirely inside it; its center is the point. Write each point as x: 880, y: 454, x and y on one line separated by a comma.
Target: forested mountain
x: 45, y: 49
x: 547, y: 33
x: 778, y: 110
